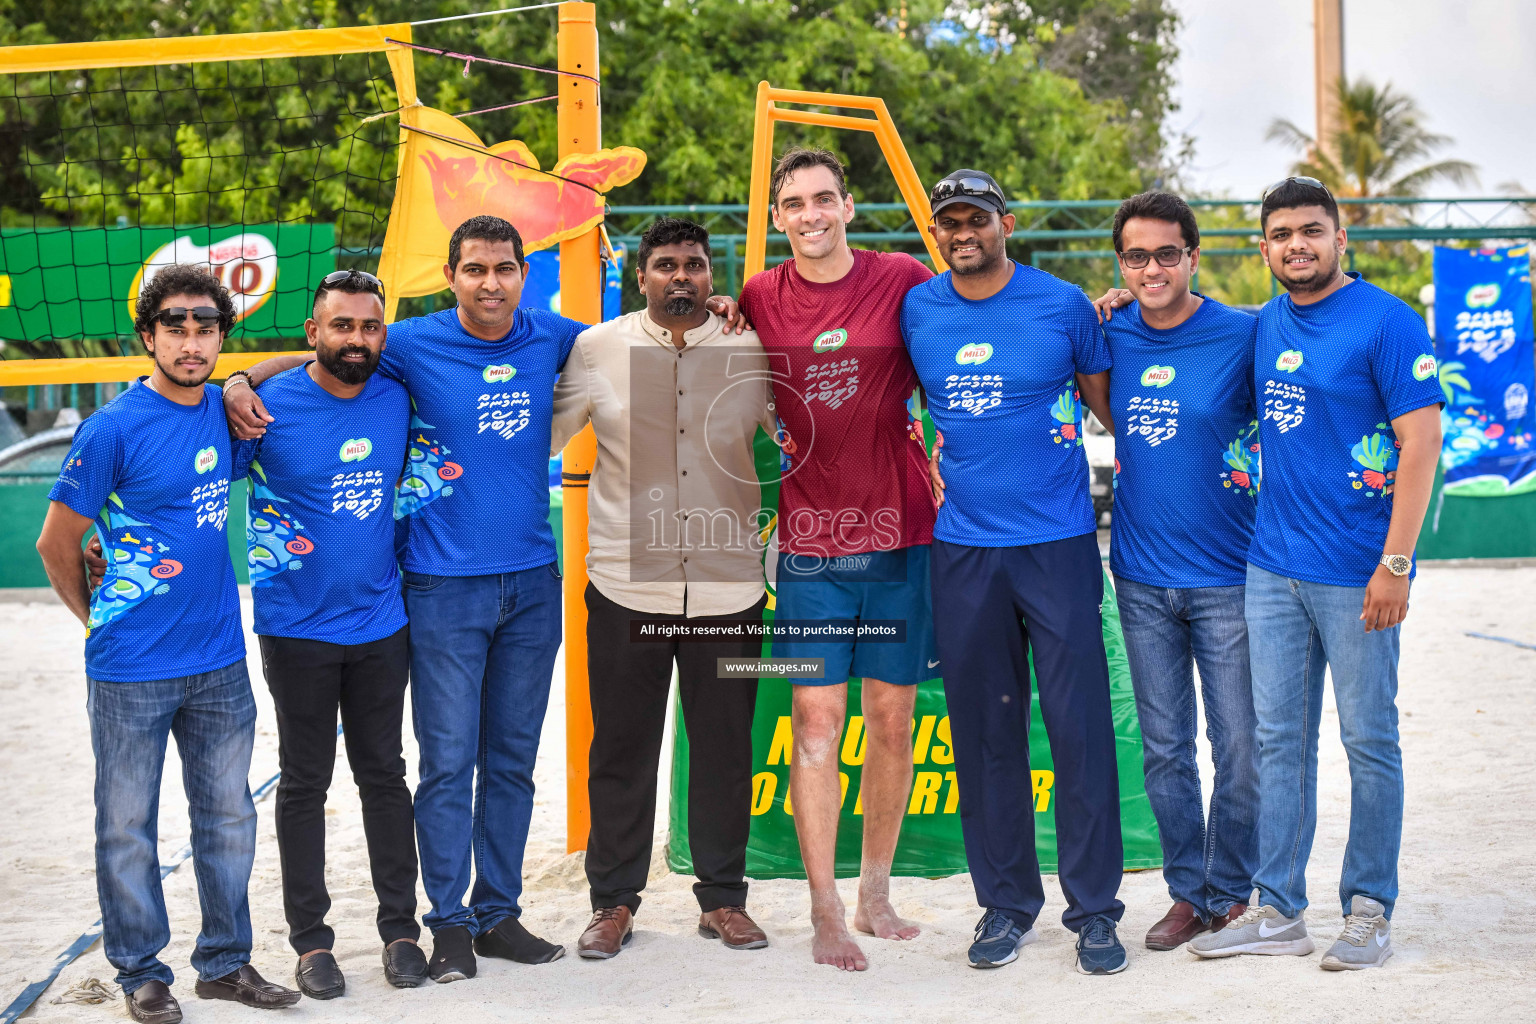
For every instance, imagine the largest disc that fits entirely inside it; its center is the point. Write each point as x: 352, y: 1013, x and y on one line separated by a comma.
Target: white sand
x: 1463, y: 946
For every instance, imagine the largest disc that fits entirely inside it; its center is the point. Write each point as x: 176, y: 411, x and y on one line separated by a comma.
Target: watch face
x: 1399, y: 565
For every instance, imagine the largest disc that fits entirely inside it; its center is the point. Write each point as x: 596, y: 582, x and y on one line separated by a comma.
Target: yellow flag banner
x: 447, y: 175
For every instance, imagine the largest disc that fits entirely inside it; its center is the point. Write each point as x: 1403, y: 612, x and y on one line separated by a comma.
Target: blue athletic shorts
x: 891, y: 585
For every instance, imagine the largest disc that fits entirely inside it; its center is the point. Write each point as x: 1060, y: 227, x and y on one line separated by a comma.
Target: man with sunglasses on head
x: 164, y: 652
x: 1349, y: 400
x: 320, y: 535
x: 482, y: 588
x: 1186, y: 480
x: 855, y: 521
x: 1007, y: 355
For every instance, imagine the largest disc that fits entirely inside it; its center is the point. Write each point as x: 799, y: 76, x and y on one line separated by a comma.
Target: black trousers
x: 629, y: 686
x: 310, y: 680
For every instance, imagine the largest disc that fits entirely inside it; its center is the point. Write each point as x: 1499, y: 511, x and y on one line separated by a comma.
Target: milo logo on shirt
x: 497, y: 374
x: 1289, y: 361
x: 1423, y: 367
x: 829, y: 341
x: 205, y: 460
x: 355, y: 449
x: 1157, y: 377
x: 973, y: 353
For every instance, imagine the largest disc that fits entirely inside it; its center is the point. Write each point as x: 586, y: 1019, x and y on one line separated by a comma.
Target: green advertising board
x: 931, y: 844
x: 65, y: 283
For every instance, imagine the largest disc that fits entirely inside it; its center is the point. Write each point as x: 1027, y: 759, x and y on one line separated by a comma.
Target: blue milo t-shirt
x: 1000, y: 378
x: 475, y: 492
x: 320, y: 526
x: 1186, y: 447
x: 1329, y: 379
x: 155, y: 476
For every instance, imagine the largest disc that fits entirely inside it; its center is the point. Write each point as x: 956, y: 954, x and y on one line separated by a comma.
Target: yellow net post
x: 578, y: 120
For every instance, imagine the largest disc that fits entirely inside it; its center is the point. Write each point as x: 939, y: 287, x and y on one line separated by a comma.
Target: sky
x: 1470, y: 64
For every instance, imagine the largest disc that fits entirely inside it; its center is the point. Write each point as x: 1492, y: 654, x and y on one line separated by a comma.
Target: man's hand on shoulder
x: 1106, y: 304
x: 727, y: 307
x: 243, y: 408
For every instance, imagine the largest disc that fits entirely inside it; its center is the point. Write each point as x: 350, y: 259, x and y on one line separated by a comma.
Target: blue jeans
x: 482, y: 654
x: 1208, y: 863
x: 1296, y: 630
x: 213, y: 718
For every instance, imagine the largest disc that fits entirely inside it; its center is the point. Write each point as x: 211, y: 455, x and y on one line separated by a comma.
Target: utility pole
x: 1328, y: 59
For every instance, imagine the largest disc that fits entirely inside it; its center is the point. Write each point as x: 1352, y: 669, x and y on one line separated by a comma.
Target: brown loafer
x: 1178, y: 926
x: 152, y: 1003
x: 733, y: 928
x: 609, y: 932
x: 1234, y: 912
x: 244, y: 985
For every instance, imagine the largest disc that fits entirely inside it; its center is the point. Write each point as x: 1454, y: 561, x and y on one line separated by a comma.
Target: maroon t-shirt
x: 855, y: 472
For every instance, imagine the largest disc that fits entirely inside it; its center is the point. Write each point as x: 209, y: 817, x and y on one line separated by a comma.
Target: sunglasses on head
x: 336, y: 277
x: 176, y: 316
x: 1167, y: 256
x: 951, y: 187
x: 1299, y: 179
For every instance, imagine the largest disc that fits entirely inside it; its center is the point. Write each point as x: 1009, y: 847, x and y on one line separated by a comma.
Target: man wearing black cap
x: 1007, y: 355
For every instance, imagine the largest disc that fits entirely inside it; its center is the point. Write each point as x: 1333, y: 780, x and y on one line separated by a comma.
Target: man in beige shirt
x: 675, y: 521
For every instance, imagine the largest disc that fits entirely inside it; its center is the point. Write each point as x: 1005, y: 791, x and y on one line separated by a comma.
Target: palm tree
x: 1380, y: 136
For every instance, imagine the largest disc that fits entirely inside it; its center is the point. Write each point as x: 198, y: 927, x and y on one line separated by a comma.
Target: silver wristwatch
x: 1397, y: 565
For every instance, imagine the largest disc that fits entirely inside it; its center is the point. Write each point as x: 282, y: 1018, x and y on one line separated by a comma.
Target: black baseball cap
x: 968, y: 186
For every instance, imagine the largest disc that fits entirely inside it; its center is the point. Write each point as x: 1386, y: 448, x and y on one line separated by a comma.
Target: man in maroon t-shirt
x: 855, y: 522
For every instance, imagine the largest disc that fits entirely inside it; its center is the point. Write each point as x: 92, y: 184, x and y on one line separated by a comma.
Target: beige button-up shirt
x: 674, y: 507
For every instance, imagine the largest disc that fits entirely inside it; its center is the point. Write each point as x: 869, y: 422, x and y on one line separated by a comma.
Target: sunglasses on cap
x: 336, y: 277
x: 176, y: 316
x: 1299, y: 179
x: 1167, y: 256
x: 978, y: 187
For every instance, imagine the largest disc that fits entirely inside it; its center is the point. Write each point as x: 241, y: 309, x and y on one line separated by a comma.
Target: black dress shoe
x: 244, y: 985
x: 405, y: 965
x: 453, y: 956
x: 153, y: 1003
x: 319, y: 976
x: 509, y: 940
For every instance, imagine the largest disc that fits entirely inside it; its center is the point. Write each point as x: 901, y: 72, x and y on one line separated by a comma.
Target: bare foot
x: 831, y: 944
x: 875, y: 916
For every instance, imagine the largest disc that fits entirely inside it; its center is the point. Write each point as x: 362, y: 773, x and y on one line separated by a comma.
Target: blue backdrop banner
x: 1486, y: 344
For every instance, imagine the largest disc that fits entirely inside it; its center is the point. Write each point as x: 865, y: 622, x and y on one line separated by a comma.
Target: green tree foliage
x: 1053, y: 100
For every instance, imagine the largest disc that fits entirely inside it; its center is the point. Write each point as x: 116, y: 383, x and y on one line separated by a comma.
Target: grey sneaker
x: 1259, y: 929
x: 1366, y: 940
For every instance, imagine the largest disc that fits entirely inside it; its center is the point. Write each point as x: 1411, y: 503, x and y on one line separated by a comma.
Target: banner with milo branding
x: 1486, y: 343
x: 66, y: 283
x: 931, y: 843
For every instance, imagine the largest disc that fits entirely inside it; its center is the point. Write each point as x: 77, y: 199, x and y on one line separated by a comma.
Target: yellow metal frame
x: 191, y: 50
x: 883, y: 128
x: 579, y: 125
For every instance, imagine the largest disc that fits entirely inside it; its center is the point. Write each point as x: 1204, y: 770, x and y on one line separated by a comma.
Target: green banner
x: 931, y: 844
x: 58, y: 283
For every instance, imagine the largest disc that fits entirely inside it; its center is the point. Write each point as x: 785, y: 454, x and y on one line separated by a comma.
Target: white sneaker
x: 1259, y: 929
x: 1366, y: 941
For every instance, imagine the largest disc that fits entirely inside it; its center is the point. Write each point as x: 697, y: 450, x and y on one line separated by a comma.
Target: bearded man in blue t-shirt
x: 164, y: 653
x: 1349, y: 424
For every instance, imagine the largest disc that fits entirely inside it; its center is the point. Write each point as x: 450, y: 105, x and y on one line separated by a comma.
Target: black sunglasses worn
x: 951, y: 187
x: 1299, y: 179
x: 336, y: 277
x: 176, y: 316
x: 1167, y: 256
